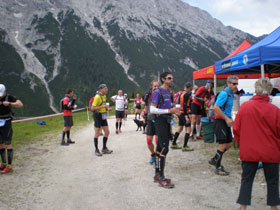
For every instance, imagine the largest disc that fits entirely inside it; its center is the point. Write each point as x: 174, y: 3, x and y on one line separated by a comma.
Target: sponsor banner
x: 235, y: 62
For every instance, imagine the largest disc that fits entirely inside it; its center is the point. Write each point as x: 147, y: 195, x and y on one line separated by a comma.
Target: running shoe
x: 212, y: 162
x: 166, y: 184
x: 117, y: 132
x: 199, y: 138
x: 221, y: 171
x: 187, y: 149
x: 63, y: 143
x: 98, y: 153
x: 2, y: 167
x: 191, y: 138
x: 175, y: 146
x: 158, y: 178
x: 152, y: 160
x: 7, y: 169
x: 120, y: 130
x: 69, y: 141
x: 106, y: 151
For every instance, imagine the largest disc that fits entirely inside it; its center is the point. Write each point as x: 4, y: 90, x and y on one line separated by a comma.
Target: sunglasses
x: 234, y: 83
x: 169, y: 78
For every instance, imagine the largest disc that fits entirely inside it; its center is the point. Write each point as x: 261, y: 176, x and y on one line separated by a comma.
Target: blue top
x: 221, y: 100
x: 166, y: 102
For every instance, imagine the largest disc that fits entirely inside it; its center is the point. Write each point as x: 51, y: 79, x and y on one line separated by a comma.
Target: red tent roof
x: 208, y: 72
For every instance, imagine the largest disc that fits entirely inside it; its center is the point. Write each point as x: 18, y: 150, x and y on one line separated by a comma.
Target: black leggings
x: 162, y: 127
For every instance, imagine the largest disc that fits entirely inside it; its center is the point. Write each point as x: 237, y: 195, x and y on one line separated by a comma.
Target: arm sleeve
x: 12, y: 99
x: 154, y: 110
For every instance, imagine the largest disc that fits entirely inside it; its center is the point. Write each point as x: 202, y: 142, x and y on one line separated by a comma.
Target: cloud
x: 256, y: 17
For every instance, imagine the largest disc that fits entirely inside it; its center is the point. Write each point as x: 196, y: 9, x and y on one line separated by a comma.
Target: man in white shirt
x: 120, y: 102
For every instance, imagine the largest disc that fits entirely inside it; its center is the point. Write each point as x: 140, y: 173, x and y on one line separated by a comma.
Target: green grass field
x: 29, y: 132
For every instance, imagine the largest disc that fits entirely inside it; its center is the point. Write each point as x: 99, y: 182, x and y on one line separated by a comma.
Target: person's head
x: 154, y: 84
x: 209, y: 84
x: 120, y: 92
x: 232, y: 83
x: 188, y: 86
x: 125, y: 95
x: 166, y: 78
x: 2, y: 90
x: 137, y: 95
x: 69, y: 92
x: 195, y: 87
x: 103, y: 89
x: 263, y: 86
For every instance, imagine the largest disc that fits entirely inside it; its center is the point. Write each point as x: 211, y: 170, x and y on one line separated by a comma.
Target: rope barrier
x: 42, y: 117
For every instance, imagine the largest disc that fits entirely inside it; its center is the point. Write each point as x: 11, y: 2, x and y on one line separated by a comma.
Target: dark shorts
x: 119, y: 114
x: 182, y: 121
x: 196, y: 109
x: 98, y: 121
x: 138, y: 106
x: 150, y: 130
x: 68, y: 121
x: 6, y: 133
x: 222, y: 131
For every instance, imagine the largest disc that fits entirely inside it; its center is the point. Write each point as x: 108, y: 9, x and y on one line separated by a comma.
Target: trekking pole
x: 87, y: 114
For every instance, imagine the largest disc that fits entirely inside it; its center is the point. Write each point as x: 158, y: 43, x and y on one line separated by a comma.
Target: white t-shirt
x: 119, y: 102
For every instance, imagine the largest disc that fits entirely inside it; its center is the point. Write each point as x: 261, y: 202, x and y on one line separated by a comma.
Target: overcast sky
x: 256, y: 17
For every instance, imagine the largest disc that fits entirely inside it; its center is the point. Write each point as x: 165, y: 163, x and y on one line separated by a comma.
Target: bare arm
x: 219, y: 112
x: 17, y: 104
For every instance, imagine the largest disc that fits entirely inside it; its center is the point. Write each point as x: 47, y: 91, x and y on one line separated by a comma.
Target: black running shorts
x: 196, y: 109
x: 119, y: 114
x: 138, y: 106
x: 182, y: 121
x: 98, y: 121
x: 222, y: 131
x: 68, y: 121
x: 150, y: 130
x: 6, y: 133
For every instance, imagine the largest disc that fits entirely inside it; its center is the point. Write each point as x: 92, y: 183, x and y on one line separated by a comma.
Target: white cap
x: 2, y: 90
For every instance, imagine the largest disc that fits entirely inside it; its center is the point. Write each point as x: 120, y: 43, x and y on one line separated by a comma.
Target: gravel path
x: 48, y: 176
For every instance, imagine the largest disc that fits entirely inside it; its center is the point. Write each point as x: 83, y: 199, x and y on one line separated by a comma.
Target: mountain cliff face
x: 49, y: 45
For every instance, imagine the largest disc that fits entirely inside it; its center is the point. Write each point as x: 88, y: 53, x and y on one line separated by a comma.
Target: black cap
x: 102, y: 86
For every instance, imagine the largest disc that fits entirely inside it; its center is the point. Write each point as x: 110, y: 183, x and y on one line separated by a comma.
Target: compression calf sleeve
x: 96, y: 143
x: 3, y: 155
x: 157, y: 164
x: 117, y: 125
x: 186, y: 140
x: 218, y: 158
x: 120, y: 125
x: 175, y: 138
x: 161, y: 166
x: 105, y: 142
x: 10, y: 156
x: 68, y: 134
x: 63, y: 135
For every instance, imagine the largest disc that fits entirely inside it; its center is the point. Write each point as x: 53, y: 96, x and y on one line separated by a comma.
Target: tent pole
x: 215, y: 84
x: 262, y: 70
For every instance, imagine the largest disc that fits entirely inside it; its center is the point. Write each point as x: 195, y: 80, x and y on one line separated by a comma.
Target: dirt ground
x: 49, y: 176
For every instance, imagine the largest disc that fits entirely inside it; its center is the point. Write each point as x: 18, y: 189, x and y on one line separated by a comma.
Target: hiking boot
x: 98, y: 153
x: 157, y: 179
x: 69, y: 141
x: 106, y: 151
x: 166, y: 184
x: 212, y: 162
x: 175, y: 146
x: 221, y: 171
x: 2, y: 167
x: 7, y: 169
x: 63, y: 143
x: 187, y: 149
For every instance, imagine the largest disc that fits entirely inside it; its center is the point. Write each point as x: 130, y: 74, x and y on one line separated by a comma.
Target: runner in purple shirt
x: 161, y: 108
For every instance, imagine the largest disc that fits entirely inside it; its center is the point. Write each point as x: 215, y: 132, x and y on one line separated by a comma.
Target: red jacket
x: 257, y: 127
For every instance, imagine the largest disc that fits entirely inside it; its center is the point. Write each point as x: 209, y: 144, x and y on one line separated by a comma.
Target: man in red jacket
x: 257, y: 128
